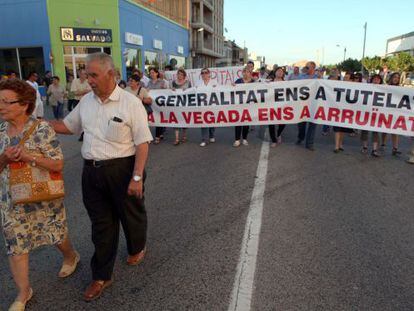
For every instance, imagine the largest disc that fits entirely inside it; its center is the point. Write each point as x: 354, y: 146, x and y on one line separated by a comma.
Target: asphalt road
x: 336, y: 232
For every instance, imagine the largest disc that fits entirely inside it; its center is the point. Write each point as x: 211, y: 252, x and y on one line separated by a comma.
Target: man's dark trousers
x: 104, y: 190
x: 308, y: 134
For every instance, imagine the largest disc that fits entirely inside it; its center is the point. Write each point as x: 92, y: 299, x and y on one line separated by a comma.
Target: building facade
x: 403, y: 43
x: 207, y: 40
x: 57, y: 35
x: 234, y: 55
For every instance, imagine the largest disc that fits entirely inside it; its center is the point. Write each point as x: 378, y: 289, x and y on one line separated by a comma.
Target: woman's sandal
x: 19, y: 305
x: 364, y: 150
x: 176, y: 143
x: 184, y: 139
x: 396, y: 152
x: 375, y: 154
x: 67, y: 270
x: 157, y: 141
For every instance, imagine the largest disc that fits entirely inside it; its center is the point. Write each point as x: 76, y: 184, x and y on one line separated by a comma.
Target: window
x: 8, y: 61
x: 132, y: 58
x: 75, y: 57
x: 151, y: 60
x: 31, y: 59
x: 176, y: 61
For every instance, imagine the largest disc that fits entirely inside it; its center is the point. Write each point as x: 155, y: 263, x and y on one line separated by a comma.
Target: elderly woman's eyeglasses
x: 8, y: 102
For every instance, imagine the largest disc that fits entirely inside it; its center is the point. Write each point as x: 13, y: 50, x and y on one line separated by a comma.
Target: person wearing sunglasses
x: 207, y: 133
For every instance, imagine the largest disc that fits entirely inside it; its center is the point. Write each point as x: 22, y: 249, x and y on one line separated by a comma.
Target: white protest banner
x: 371, y: 107
x: 219, y: 75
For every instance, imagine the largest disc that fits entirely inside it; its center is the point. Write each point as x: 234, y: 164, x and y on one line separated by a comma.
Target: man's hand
x: 135, y: 188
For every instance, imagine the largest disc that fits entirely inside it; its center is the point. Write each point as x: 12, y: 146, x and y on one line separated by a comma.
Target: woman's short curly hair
x: 25, y: 93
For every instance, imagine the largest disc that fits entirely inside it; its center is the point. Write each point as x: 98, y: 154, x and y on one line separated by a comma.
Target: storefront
x: 24, y: 40
x: 58, y: 35
x: 148, y: 39
x: 75, y: 32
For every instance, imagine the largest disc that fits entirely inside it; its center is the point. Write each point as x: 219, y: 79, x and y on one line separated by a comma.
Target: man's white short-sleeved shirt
x: 112, y: 129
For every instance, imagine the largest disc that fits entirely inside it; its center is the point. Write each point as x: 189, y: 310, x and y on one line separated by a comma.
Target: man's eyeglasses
x: 9, y: 102
x: 204, y: 72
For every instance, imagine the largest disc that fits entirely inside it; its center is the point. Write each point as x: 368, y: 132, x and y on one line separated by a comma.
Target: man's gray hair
x: 103, y: 58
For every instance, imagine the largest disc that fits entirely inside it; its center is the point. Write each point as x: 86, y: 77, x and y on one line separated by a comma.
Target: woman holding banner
x: 155, y: 83
x: 395, y: 81
x: 243, y: 131
x: 181, y: 83
x: 375, y: 79
x: 277, y: 139
x: 207, y: 133
x: 341, y: 131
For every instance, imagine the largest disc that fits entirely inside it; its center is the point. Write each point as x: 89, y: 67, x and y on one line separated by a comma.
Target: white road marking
x: 243, y: 284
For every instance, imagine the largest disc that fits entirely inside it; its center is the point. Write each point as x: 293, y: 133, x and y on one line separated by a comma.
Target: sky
x: 286, y: 31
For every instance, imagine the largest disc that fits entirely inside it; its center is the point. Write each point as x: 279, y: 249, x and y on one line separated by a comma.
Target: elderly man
x: 115, y: 150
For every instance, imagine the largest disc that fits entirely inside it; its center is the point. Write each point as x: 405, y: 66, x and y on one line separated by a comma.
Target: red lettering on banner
x: 333, y: 113
x: 262, y: 114
x: 173, y: 118
x: 221, y: 118
x: 151, y: 118
x: 347, y: 115
x: 358, y: 117
x: 162, y: 120
x: 275, y: 114
x: 288, y: 112
x: 385, y: 121
x: 233, y: 116
x: 305, y: 113
x: 209, y: 117
x: 400, y: 123
x: 187, y: 117
x: 197, y: 117
x: 246, y: 116
x: 412, y: 123
x: 320, y: 114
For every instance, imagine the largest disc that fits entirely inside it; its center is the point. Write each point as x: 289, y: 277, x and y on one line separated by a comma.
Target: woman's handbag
x: 30, y: 184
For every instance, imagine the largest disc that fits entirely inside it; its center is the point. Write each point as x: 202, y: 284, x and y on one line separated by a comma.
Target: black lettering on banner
x: 365, y: 97
x: 292, y: 95
x: 202, y: 99
x: 378, y: 99
x: 214, y: 99
x: 262, y: 95
x: 160, y: 101
x: 251, y: 97
x: 348, y: 96
x: 171, y: 101
x: 405, y: 102
x: 240, y: 93
x: 304, y: 91
x: 192, y: 100
x: 321, y: 93
x: 279, y: 95
x: 181, y: 101
x: 338, y: 92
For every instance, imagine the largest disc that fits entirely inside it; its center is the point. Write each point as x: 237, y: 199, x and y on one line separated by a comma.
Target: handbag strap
x: 29, y: 132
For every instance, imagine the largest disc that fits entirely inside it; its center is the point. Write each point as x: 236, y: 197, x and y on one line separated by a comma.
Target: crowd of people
x: 114, y: 151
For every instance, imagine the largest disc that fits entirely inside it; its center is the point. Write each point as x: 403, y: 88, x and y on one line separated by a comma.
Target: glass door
x: 75, y: 57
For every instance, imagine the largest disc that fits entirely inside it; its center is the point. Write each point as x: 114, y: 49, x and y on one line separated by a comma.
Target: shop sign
x: 180, y: 49
x: 157, y: 44
x: 85, y: 35
x: 133, y: 38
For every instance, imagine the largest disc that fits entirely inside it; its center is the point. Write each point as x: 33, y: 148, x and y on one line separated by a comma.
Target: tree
x: 350, y: 64
x: 401, y: 62
x: 372, y: 63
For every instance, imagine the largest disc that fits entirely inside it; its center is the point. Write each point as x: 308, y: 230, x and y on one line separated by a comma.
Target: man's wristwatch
x: 136, y: 178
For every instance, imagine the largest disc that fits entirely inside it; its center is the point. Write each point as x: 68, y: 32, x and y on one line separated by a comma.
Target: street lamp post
x: 363, y: 50
x: 344, y: 50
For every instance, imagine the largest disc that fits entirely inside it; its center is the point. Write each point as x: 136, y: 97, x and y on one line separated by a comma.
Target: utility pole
x: 363, y: 50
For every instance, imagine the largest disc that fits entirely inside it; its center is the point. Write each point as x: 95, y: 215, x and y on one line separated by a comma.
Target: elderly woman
x: 28, y: 226
x: 182, y: 83
x: 156, y: 83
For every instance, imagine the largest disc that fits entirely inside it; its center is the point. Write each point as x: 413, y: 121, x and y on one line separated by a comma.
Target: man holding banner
x: 310, y: 133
